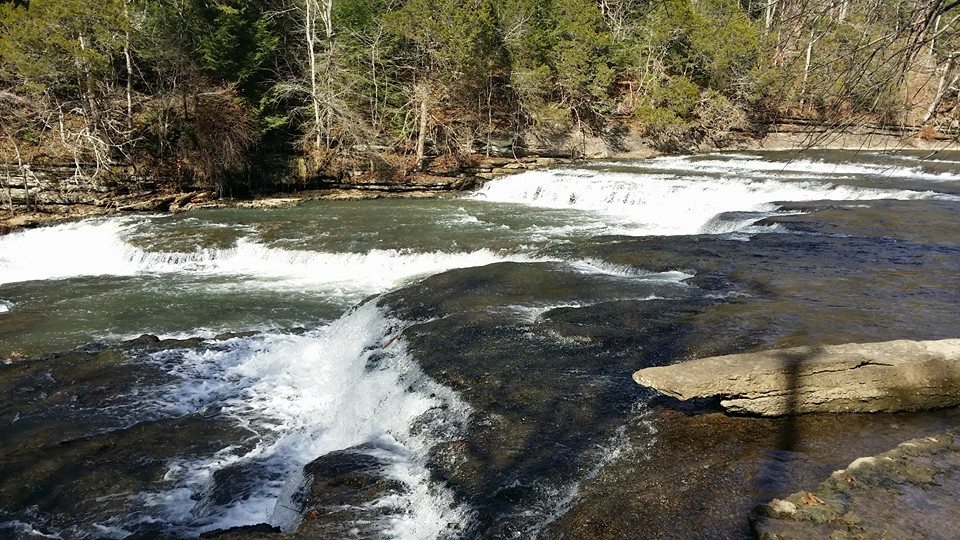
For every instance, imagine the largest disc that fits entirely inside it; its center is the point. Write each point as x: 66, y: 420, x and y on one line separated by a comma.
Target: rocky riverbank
x: 910, y: 491
x: 38, y: 194
x: 51, y: 193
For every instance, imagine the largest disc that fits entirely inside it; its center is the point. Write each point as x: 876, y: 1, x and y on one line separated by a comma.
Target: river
x: 459, y: 367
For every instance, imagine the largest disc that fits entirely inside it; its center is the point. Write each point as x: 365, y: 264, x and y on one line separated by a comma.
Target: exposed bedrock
x: 908, y: 492
x: 859, y: 377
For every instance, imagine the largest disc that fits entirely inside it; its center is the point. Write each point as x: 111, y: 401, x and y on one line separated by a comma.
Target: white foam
x: 202, y: 332
x: 350, y: 383
x: 915, y: 159
x: 462, y: 217
x: 98, y: 248
x: 533, y: 314
x: 5, y: 306
x: 721, y: 224
x: 652, y: 203
x: 21, y: 529
x: 808, y: 168
x: 597, y: 266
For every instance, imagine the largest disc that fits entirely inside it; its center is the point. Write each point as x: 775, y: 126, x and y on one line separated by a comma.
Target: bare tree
x: 321, y: 66
x: 943, y: 86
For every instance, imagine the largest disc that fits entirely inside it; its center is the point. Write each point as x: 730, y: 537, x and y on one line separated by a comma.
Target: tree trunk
x: 375, y: 100
x: 6, y: 183
x: 489, y: 113
x: 329, y: 62
x: 942, y: 87
x: 423, y: 94
x: 93, y: 111
x: 96, y: 134
x: 326, y: 14
x: 129, y: 62
x: 768, y: 16
x: 933, y: 36
x: 310, y: 21
x: 23, y: 173
x: 321, y: 91
x: 806, y: 70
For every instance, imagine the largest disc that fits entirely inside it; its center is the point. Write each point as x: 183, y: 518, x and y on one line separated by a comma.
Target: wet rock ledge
x: 872, y: 377
x: 911, y: 491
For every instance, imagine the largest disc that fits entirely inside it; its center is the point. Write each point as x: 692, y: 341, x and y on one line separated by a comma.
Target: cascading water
x: 353, y: 383
x: 676, y: 196
x: 345, y: 385
x: 747, y: 166
x: 99, y: 248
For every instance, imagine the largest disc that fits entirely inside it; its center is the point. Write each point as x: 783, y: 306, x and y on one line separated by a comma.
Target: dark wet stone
x: 57, y: 397
x: 232, y: 483
x: 233, y: 335
x: 87, y: 479
x: 517, y: 284
x: 545, y: 390
x: 189, y: 343
x: 340, y: 486
x: 703, y: 473
x: 910, y: 491
x: 247, y: 532
x: 145, y: 339
x: 548, y: 390
x: 77, y: 443
x: 922, y: 222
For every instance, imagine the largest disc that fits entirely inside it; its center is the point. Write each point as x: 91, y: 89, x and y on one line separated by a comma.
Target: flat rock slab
x: 859, y: 377
x: 911, y: 491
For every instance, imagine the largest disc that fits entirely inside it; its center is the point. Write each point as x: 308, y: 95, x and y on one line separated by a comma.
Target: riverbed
x: 461, y: 364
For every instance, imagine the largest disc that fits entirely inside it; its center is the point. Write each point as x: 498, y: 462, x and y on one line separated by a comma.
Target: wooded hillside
x: 244, y: 92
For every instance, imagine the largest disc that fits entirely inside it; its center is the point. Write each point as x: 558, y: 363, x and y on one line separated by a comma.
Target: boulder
x: 908, y: 492
x: 858, y: 377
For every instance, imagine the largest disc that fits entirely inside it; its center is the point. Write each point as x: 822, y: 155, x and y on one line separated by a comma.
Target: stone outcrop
x: 37, y: 194
x: 908, y: 492
x: 871, y: 377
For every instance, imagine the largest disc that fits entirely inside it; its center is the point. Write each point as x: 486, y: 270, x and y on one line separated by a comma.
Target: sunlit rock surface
x: 900, y: 375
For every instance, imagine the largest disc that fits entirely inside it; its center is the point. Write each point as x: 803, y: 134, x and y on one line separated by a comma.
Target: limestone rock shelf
x: 870, y: 377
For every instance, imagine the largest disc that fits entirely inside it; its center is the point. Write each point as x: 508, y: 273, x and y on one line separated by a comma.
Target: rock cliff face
x: 908, y: 492
x: 889, y: 376
x: 36, y: 185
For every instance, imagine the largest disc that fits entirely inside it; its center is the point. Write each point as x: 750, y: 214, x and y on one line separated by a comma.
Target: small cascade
x: 649, y: 201
x: 756, y: 167
x: 350, y: 384
x: 99, y: 248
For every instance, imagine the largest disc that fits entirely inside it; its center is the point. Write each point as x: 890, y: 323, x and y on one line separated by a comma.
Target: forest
x: 264, y: 93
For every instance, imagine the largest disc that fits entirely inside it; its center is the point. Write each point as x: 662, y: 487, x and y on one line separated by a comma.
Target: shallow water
x: 475, y: 350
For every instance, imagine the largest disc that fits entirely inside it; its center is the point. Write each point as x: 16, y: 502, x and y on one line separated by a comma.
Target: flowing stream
x: 474, y: 352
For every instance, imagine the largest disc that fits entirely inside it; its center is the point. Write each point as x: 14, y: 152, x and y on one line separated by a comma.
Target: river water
x: 458, y: 367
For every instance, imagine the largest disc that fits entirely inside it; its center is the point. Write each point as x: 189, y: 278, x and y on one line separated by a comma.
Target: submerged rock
x: 245, y: 532
x: 908, y: 492
x: 890, y: 376
x: 342, y: 490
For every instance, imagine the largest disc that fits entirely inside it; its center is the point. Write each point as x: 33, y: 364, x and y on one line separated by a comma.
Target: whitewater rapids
x: 675, y: 196
x: 351, y: 382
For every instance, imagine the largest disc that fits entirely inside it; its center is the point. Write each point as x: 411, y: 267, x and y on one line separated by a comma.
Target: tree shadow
x: 928, y: 385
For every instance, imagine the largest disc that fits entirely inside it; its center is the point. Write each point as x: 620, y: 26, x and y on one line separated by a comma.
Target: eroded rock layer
x: 900, y: 375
